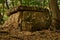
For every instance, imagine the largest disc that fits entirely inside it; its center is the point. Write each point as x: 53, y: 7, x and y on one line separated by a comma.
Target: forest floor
x: 26, y: 35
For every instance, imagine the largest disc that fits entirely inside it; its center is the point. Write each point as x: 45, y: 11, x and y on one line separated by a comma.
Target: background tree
x: 55, y: 13
x: 7, y: 4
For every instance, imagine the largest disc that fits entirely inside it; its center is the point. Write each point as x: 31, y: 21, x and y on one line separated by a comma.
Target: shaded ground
x: 25, y: 35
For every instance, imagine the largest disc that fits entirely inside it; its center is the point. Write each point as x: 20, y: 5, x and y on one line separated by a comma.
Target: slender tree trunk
x: 55, y: 12
x: 13, y: 3
x: 3, y: 8
x: 7, y: 4
x: 20, y: 2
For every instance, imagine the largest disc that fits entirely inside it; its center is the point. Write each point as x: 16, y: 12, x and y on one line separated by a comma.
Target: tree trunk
x: 7, y: 4
x: 55, y: 13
